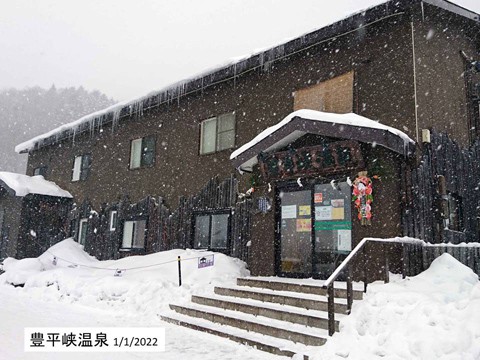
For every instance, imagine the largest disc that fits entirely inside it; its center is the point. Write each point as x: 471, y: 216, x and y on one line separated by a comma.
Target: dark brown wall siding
x: 385, y: 78
x: 11, y: 223
x: 262, y: 249
x: 46, y: 216
x: 442, y: 102
x: 260, y: 99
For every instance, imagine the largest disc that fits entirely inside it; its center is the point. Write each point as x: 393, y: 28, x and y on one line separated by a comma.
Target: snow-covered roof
x: 231, y: 69
x: 338, y: 125
x: 23, y: 185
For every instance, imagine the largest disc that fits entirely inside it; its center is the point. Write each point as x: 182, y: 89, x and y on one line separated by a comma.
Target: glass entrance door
x: 333, y: 227
x: 295, y: 232
x: 307, y: 252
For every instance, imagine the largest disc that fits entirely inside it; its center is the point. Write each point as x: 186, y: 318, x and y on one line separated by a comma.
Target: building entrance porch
x: 313, y: 228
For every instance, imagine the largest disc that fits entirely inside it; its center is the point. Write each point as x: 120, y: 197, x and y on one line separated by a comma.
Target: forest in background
x: 27, y: 113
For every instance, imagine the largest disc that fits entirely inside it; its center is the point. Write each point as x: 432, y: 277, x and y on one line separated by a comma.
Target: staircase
x: 281, y: 316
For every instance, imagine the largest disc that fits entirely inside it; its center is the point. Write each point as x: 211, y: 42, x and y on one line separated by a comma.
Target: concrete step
x: 269, y: 344
x: 275, y: 328
x: 308, y: 301
x: 275, y: 311
x: 306, y: 288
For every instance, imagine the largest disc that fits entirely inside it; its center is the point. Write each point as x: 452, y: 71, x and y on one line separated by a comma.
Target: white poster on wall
x: 323, y: 213
x: 344, y: 242
x: 289, y: 212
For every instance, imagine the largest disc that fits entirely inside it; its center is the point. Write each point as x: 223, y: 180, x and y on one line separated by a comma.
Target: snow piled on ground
x: 144, y: 287
x: 435, y: 315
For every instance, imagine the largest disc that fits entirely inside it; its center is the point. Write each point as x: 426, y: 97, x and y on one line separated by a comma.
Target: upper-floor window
x: 142, y: 152
x: 41, y: 170
x: 81, y: 167
x: 217, y: 133
x: 334, y: 95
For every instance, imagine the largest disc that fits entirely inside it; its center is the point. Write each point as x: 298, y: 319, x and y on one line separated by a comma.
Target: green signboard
x: 333, y: 225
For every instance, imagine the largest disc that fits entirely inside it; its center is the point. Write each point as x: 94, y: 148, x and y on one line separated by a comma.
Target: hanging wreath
x: 363, y: 198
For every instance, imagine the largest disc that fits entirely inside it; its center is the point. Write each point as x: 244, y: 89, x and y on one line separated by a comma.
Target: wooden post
x: 404, y: 262
x: 179, y: 271
x: 331, y: 309
x: 387, y: 270
x: 349, y: 288
x: 365, y: 262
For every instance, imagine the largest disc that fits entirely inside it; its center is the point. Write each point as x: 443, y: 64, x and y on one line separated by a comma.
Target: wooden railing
x: 347, y: 265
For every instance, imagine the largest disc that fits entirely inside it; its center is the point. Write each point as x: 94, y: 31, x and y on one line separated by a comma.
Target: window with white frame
x: 212, y: 230
x: 142, y: 152
x: 134, y: 234
x: 113, y: 220
x: 82, y: 231
x: 81, y: 167
x: 217, y: 133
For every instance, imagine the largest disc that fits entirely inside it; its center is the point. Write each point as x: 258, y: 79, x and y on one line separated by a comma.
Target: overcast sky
x: 126, y: 48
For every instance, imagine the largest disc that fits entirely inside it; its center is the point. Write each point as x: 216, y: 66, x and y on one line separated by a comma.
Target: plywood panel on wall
x: 334, y: 95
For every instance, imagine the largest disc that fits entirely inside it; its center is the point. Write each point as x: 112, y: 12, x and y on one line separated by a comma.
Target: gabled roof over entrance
x: 301, y: 122
x: 22, y: 185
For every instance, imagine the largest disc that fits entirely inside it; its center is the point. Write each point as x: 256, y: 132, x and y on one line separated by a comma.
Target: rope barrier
x: 125, y: 269
x: 55, y: 257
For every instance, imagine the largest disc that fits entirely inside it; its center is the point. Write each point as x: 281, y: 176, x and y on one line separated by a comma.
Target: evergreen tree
x: 33, y: 111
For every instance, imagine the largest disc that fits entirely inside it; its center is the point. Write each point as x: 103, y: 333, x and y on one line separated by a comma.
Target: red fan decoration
x: 363, y: 198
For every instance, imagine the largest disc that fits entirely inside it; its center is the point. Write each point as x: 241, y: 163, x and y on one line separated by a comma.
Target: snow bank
x: 17, y: 272
x: 67, y: 253
x: 24, y: 185
x: 148, y: 283
x: 434, y: 315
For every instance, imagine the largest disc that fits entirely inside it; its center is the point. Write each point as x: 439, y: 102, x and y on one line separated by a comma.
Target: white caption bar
x: 89, y: 339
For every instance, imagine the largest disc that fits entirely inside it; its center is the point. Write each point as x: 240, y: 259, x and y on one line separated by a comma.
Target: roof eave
x: 454, y: 8
x: 376, y: 136
x: 259, y: 60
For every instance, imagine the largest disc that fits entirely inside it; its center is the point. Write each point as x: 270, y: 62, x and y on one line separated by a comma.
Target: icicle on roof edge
x: 178, y: 89
x: 274, y: 52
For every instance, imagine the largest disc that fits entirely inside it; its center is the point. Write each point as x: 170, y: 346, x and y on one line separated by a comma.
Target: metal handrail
x: 346, y: 264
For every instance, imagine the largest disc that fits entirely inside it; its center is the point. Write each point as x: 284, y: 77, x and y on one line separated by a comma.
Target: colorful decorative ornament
x: 363, y: 198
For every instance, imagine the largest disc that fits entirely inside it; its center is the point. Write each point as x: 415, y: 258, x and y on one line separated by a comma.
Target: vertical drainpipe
x: 415, y: 80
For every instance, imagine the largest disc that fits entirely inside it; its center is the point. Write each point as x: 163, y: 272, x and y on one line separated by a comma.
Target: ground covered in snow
x: 91, y: 296
x: 435, y: 315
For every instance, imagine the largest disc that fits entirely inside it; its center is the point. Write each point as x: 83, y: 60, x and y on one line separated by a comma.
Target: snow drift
x: 147, y: 285
x: 434, y: 315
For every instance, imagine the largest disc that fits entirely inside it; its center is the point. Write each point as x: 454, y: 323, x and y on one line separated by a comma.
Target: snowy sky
x: 126, y: 48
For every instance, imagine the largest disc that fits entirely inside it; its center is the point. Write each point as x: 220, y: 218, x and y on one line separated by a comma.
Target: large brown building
x: 158, y: 172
